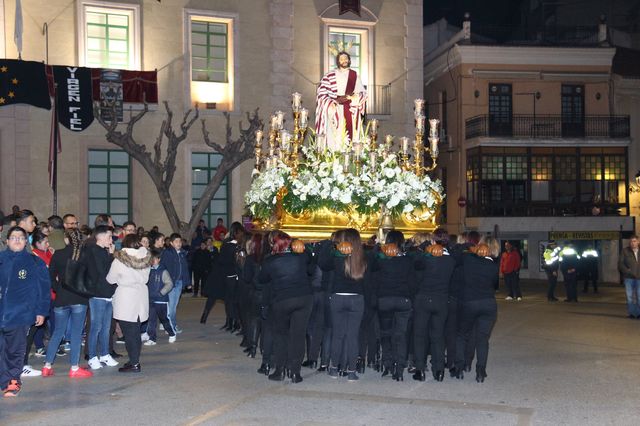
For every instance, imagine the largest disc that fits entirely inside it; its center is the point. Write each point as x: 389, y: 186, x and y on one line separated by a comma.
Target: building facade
x: 535, y: 146
x: 226, y: 56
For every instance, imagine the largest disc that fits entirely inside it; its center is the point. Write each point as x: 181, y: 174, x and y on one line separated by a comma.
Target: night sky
x: 495, y: 12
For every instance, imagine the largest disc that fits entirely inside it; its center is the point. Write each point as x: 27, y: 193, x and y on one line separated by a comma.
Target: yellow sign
x: 584, y: 235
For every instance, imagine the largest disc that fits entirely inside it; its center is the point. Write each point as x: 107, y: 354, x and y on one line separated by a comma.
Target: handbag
x: 77, y: 280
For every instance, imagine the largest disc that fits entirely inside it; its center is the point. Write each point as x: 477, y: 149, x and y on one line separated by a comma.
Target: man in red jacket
x: 510, y: 268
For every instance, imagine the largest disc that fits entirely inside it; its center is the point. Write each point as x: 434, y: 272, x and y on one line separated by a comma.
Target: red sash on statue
x: 346, y: 107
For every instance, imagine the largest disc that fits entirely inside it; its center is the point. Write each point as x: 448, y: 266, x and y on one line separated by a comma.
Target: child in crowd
x: 160, y: 284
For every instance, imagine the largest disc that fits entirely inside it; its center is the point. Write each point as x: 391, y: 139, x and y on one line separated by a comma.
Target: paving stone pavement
x: 555, y: 364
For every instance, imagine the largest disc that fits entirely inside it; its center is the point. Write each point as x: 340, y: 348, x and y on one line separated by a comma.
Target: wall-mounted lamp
x: 598, y: 96
x: 476, y: 93
x: 635, y: 188
x: 538, y: 95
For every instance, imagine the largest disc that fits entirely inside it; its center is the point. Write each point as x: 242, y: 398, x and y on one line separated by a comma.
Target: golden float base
x: 318, y: 225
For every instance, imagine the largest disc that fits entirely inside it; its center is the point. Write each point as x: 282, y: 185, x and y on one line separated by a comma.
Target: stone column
x: 281, y: 76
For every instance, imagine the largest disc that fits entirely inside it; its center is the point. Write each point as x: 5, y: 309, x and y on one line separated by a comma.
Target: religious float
x: 308, y: 187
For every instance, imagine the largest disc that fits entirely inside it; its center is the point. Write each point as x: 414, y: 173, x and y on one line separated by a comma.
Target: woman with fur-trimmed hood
x: 130, y: 271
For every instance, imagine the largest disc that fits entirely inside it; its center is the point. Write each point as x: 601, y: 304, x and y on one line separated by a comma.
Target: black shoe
x: 115, y: 355
x: 419, y: 376
x: 251, y: 353
x: 226, y: 325
x: 481, y: 373
x: 310, y: 364
x: 552, y: 299
x: 86, y: 356
x: 130, y: 368
x: 411, y: 369
x: 322, y: 369
x: 360, y: 365
x: 264, y: 369
x: 438, y: 375
x: 458, y: 373
x: 203, y: 319
x: 296, y: 378
x: 398, y: 374
x: 277, y: 375
x: 61, y: 351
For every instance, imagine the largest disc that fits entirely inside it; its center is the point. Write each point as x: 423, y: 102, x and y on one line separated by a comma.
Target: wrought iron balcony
x: 548, y: 126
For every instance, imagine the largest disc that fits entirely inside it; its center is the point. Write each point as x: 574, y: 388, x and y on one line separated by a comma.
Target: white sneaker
x: 508, y: 298
x: 108, y: 360
x: 28, y: 371
x: 172, y: 339
x: 40, y: 353
x: 519, y: 299
x: 144, y: 336
x: 94, y: 363
x: 149, y: 343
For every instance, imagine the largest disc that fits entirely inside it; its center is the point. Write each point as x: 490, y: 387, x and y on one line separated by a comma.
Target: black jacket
x: 286, y: 275
x: 57, y: 269
x: 98, y: 261
x: 393, y: 276
x: 331, y: 260
x: 201, y: 261
x: 435, y: 279
x: 227, y: 258
x: 480, y: 277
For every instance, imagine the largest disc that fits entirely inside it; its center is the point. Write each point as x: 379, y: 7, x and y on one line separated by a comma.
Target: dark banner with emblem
x: 23, y: 82
x: 73, y: 89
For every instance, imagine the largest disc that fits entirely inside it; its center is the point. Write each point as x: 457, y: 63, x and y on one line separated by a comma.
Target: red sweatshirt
x: 510, y: 261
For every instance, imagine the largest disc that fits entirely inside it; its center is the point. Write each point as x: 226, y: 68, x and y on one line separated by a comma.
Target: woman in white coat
x: 130, y: 271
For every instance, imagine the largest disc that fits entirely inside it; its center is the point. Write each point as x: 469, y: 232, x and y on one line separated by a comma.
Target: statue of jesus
x: 340, y: 105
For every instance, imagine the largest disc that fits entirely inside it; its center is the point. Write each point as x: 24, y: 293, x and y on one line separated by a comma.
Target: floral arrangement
x: 326, y: 180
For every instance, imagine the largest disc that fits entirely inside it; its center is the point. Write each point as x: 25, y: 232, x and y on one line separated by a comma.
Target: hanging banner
x: 23, y: 82
x: 137, y: 86
x: 584, y: 235
x: 73, y: 90
x: 111, y: 94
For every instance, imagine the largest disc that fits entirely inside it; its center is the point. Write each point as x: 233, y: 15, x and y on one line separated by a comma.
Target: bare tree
x: 161, y: 166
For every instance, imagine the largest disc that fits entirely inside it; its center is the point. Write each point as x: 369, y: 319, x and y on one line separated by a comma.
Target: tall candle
x: 388, y: 140
x: 259, y: 137
x: 274, y: 121
x: 357, y: 149
x: 285, y: 139
x: 373, y: 126
x: 433, y: 146
x: 418, y: 107
x: 304, y: 118
x: 280, y: 119
x: 420, y: 124
x: 296, y: 101
x: 404, y: 141
x: 433, y: 127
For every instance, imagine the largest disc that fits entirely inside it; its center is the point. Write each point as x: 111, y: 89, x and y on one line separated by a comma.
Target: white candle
x: 259, y: 137
x: 357, y: 149
x: 304, y: 118
x: 433, y: 127
x: 296, y: 101
x: 433, y: 146
x: 274, y: 121
x: 404, y: 141
x: 373, y: 125
x: 388, y: 140
x: 285, y: 139
x: 280, y: 119
x: 418, y: 107
x: 420, y: 124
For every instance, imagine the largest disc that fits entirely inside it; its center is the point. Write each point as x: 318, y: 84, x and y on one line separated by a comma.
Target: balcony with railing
x: 548, y: 127
x: 379, y: 99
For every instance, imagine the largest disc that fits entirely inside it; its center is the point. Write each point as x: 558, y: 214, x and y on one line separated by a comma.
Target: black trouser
x: 158, y: 311
x: 571, y: 286
x: 451, y: 331
x: 429, y: 316
x: 230, y: 297
x: 394, y: 313
x: 291, y: 317
x: 199, y: 279
x: 369, y: 335
x: 254, y: 322
x: 481, y: 315
x: 512, y: 282
x: 346, y: 315
x: 30, y: 336
x: 553, y: 281
x: 328, y: 332
x: 590, y: 276
x: 132, y: 340
x: 315, y: 329
x: 267, y: 339
x: 208, y: 305
x: 13, y: 343
x: 243, y: 297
